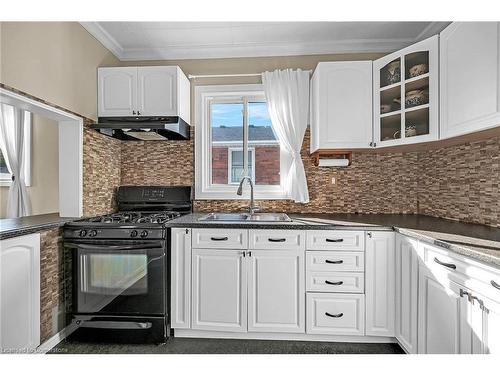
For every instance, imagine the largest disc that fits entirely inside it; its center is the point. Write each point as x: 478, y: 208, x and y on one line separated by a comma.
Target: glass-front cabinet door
x: 405, y: 108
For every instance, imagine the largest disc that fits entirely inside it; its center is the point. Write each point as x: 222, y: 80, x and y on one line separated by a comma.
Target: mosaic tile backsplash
x: 457, y: 182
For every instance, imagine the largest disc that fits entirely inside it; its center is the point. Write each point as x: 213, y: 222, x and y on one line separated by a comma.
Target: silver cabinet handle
x: 334, y: 261
x: 334, y: 239
x: 334, y: 315
x: 465, y: 293
x: 249, y: 253
x: 219, y: 238
x: 494, y: 284
x: 369, y: 234
x: 138, y: 112
x: 244, y: 253
x: 276, y: 239
x: 133, y: 112
x: 333, y: 282
x: 447, y: 265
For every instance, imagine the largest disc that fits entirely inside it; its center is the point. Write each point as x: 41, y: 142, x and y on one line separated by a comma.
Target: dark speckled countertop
x: 30, y: 224
x: 476, y: 241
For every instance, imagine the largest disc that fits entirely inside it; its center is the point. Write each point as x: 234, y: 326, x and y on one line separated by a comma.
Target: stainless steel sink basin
x: 270, y: 217
x: 262, y: 217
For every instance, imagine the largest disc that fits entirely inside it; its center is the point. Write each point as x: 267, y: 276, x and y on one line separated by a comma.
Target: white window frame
x: 6, y: 178
x: 204, y: 189
x: 230, y: 151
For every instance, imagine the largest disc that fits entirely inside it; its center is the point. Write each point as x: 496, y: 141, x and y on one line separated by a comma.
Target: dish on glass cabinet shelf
x: 418, y: 70
x: 393, y: 72
x: 416, y: 97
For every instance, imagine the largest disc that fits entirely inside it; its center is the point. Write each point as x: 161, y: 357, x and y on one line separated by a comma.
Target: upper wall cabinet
x: 341, y: 102
x: 470, y: 77
x: 143, y: 91
x: 405, y: 95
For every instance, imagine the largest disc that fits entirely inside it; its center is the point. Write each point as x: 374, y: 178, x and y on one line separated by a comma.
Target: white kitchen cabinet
x: 380, y: 283
x: 469, y: 77
x: 444, y: 315
x: 219, y: 290
x: 406, y: 95
x: 406, y: 292
x: 20, y: 292
x: 491, y: 325
x: 143, y: 91
x: 180, y: 295
x: 276, y: 291
x: 341, y: 101
x: 117, y: 91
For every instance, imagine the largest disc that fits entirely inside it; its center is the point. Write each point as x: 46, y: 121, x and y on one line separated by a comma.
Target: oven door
x: 118, y: 279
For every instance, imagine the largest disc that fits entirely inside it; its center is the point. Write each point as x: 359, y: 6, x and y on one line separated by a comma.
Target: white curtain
x: 287, y: 95
x: 12, y: 131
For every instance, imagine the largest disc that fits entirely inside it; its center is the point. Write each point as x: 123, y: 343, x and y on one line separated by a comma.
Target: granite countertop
x: 473, y: 240
x: 30, y: 224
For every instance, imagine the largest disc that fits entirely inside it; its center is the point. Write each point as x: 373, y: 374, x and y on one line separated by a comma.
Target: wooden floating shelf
x: 331, y: 154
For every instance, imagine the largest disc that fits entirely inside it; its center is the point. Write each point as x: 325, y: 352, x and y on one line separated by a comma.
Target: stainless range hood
x: 144, y: 128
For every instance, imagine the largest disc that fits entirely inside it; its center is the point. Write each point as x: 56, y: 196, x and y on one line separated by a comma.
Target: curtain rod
x: 191, y: 76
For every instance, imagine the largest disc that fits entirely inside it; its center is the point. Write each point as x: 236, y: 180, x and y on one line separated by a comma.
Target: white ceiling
x: 197, y: 40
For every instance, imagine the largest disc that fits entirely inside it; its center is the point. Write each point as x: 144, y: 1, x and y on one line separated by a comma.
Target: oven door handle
x: 83, y: 246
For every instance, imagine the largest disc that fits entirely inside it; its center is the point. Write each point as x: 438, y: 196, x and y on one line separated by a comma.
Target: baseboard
x: 56, y: 339
x: 193, y: 333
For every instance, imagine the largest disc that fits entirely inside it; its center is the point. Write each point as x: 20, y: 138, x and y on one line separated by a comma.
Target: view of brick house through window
x: 227, y: 124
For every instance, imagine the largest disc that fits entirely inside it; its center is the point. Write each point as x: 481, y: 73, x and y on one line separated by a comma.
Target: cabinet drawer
x: 335, y: 240
x: 335, y: 314
x: 220, y: 238
x: 335, y: 261
x: 277, y: 239
x: 337, y: 282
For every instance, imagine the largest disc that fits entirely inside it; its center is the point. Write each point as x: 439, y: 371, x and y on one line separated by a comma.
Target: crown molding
x: 256, y: 49
x: 98, y: 32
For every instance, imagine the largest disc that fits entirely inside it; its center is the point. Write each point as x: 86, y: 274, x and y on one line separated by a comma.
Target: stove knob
x: 93, y: 233
x: 133, y: 233
x: 83, y: 233
x: 144, y: 233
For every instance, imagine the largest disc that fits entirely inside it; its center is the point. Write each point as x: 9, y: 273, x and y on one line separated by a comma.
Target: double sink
x: 244, y: 217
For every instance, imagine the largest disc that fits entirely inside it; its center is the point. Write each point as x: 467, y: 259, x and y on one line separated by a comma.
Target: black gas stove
x: 120, y: 266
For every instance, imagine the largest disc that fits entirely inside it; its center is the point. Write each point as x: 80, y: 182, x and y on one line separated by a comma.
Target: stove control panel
x: 115, y: 233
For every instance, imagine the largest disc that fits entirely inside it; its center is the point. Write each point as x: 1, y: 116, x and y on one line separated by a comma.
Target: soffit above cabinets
x: 200, y: 40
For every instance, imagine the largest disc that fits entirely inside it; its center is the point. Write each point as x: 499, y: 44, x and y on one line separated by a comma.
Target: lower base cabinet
x: 336, y: 314
x: 254, y: 291
x: 20, y: 293
x: 444, y: 316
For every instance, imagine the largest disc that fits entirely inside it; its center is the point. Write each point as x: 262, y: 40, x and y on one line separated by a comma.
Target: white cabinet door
x: 470, y: 77
x: 219, y: 290
x: 491, y: 326
x: 406, y: 95
x: 180, y: 297
x: 406, y: 292
x: 276, y: 291
x: 117, y: 91
x: 157, y: 91
x: 380, y: 283
x: 20, y: 292
x: 341, y: 102
x: 444, y: 315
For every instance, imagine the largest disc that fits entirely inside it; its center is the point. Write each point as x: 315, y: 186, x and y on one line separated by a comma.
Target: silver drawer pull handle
x: 334, y: 282
x: 334, y: 261
x: 334, y: 315
x: 447, y: 265
x: 495, y: 285
x: 276, y: 239
x: 334, y: 239
x: 219, y: 238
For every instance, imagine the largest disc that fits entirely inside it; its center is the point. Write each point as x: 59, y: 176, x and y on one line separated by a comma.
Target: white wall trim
x: 181, y: 332
x: 70, y: 149
x: 98, y: 32
x: 56, y: 339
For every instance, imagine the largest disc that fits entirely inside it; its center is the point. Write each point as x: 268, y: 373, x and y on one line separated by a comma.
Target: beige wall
x: 44, y: 189
x: 54, y: 61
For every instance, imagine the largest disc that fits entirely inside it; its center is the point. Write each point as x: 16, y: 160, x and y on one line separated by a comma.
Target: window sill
x: 229, y: 193
x: 5, y: 183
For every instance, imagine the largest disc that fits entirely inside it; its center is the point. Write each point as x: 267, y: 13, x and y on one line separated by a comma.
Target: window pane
x: 262, y: 139
x: 237, y: 171
x: 3, y: 164
x: 226, y: 120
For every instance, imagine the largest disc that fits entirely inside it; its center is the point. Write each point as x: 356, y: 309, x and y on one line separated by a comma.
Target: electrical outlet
x: 334, y: 181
